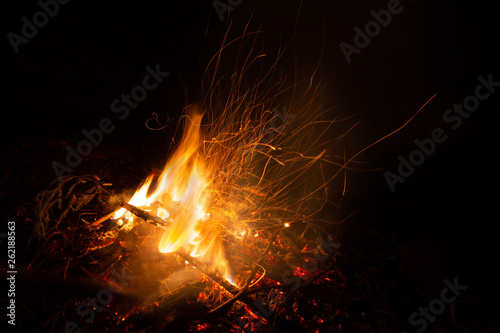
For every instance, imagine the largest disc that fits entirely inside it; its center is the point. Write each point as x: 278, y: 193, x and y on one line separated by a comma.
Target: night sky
x: 443, y: 218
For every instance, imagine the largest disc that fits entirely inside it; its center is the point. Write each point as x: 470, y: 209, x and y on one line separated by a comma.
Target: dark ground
x: 440, y: 224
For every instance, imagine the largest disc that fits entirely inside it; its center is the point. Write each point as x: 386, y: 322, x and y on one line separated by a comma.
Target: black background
x: 443, y: 218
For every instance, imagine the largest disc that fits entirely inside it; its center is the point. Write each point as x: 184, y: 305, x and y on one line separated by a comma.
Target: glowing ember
x: 182, y: 197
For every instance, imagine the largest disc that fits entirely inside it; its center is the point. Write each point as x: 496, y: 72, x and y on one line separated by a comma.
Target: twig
x: 214, y: 276
x: 153, y: 219
x: 243, y: 291
x: 101, y: 220
x: 40, y: 251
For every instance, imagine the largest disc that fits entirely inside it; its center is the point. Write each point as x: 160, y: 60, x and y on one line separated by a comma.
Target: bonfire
x: 228, y: 234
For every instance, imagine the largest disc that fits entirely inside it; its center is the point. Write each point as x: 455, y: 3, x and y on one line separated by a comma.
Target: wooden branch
x: 214, y: 276
x: 153, y: 219
x: 243, y: 291
x: 101, y: 220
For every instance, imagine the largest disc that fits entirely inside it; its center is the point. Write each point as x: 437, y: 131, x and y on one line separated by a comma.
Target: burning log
x: 159, y: 222
x: 244, y: 290
x: 212, y: 275
x: 153, y: 219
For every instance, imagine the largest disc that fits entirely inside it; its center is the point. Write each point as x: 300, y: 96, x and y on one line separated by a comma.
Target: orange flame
x: 182, y: 192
